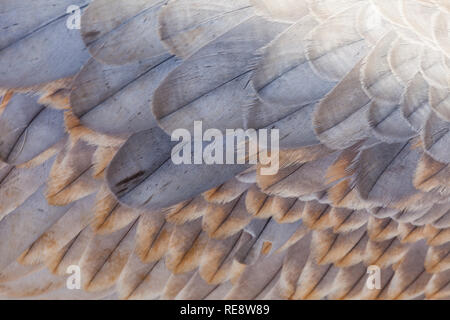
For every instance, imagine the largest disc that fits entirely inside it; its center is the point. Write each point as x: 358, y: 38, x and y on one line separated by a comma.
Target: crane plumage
x: 359, y: 90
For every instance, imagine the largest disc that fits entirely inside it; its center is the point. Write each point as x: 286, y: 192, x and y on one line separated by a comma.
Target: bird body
x: 359, y: 91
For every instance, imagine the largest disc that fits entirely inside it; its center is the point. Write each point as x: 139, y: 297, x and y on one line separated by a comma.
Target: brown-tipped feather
x: 222, y: 221
x: 438, y: 258
x: 186, y: 247
x: 382, y: 229
x: 431, y: 174
x: 105, y: 258
x: 317, y: 215
x: 71, y: 176
x: 152, y: 237
x: 226, y: 192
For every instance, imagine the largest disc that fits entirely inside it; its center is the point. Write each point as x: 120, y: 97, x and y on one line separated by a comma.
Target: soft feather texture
x: 359, y: 90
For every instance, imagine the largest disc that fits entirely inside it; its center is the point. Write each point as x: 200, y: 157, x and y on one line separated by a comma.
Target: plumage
x: 28, y: 129
x: 357, y: 89
x: 39, y: 43
x: 107, y: 23
x: 105, y: 257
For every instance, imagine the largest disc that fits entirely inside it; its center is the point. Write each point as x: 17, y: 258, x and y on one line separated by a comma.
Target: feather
x: 35, y: 284
x: 79, y: 132
x: 432, y: 67
x: 386, y: 253
x: 415, y: 104
x: 298, y: 180
x: 283, y: 75
x: 403, y: 58
x: 59, y: 97
x: 377, y: 79
x: 118, y: 33
x: 315, y: 281
x: 296, y: 145
x: 178, y: 100
x: 438, y: 258
x: 139, y: 178
x: 409, y: 216
x: 105, y: 258
x: 64, y: 294
x: 442, y: 4
x: 70, y: 254
x: 109, y: 215
x: 28, y: 129
x: 388, y: 123
x: 254, y: 285
x: 349, y: 283
x: 410, y: 277
x: 387, y: 177
x: 25, y: 224
x: 196, y: 289
x: 258, y: 203
x: 382, y: 229
x: 264, y: 237
x: 328, y: 247
x: 438, y: 287
x: 357, y: 91
x: 217, y: 260
x: 345, y: 220
x: 15, y: 271
x: 431, y: 174
x: 323, y: 9
x: 434, y: 214
x: 381, y: 213
x: 336, y: 40
x: 288, y: 210
x: 410, y: 233
x: 248, y: 176
x: 340, y: 119
x: 17, y: 185
x: 344, y: 195
x: 371, y: 25
x: 436, y: 236
x: 60, y: 233
x: 175, y: 284
x: 412, y: 10
x: 223, y: 221
x: 186, y: 247
x: 284, y: 10
x: 39, y: 43
x: 152, y: 237
x: 440, y: 34
x: 140, y: 281
x: 301, y: 232
x: 71, y: 178
x: 390, y: 11
x: 186, y: 26
x: 440, y: 102
x: 443, y: 222
x: 294, y: 262
x: 219, y: 292
x: 317, y: 215
x: 227, y: 192
x: 435, y: 137
x: 103, y: 95
x: 188, y: 211
x: 101, y: 158
x: 342, y: 167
